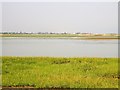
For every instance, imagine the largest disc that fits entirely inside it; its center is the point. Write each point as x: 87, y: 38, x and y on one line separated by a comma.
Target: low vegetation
x: 65, y: 36
x: 59, y: 72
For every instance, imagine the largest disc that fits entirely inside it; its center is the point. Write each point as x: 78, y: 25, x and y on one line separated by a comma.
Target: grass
x: 39, y: 35
x: 65, y: 36
x: 59, y: 72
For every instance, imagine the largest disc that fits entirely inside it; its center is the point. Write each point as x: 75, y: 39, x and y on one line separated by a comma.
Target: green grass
x: 58, y: 72
x: 65, y: 36
x: 39, y: 35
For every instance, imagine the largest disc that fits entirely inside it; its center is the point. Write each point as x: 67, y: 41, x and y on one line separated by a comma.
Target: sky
x: 92, y: 17
x: 59, y: 0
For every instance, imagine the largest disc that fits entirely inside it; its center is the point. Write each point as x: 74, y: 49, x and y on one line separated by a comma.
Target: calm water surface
x: 59, y: 47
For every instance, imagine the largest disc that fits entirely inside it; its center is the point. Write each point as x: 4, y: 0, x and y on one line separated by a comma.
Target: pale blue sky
x: 95, y: 17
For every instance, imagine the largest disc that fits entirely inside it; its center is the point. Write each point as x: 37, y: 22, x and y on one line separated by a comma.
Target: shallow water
x: 59, y: 47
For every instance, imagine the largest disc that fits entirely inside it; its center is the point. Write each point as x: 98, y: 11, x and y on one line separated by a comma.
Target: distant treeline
x: 56, y: 33
x: 32, y: 33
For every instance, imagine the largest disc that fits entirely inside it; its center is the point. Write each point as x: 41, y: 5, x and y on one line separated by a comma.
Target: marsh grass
x: 62, y: 36
x: 51, y: 72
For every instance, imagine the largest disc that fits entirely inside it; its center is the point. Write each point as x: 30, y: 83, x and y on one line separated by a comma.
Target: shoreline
x: 64, y: 36
x: 73, y: 38
x: 59, y: 57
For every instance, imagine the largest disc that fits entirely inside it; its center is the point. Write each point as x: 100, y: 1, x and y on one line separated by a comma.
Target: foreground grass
x: 50, y: 72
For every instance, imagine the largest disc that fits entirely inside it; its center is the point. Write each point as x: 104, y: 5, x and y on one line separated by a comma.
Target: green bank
x: 59, y: 72
x: 63, y: 36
